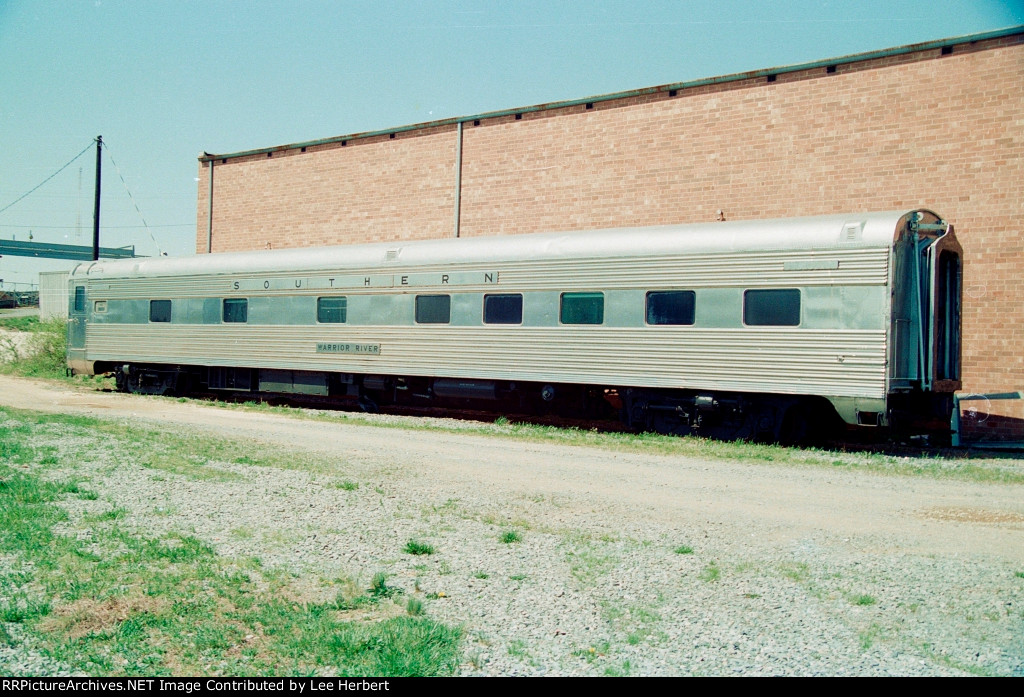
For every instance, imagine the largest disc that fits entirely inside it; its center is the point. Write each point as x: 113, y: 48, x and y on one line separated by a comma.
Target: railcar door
x: 926, y: 307
x: 78, y: 317
x: 945, y: 314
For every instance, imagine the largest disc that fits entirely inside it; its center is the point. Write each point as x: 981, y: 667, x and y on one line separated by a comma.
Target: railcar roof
x: 817, y: 233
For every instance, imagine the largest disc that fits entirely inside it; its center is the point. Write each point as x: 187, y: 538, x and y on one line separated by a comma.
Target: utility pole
x: 96, y: 205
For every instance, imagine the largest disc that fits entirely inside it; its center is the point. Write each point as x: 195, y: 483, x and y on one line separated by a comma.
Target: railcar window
x: 433, y: 309
x: 236, y: 310
x: 671, y: 307
x: 332, y: 310
x: 582, y: 308
x: 159, y: 310
x: 503, y: 309
x: 775, y: 307
x: 79, y: 298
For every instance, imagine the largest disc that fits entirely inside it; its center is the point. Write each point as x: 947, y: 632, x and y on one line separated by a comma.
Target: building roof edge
x: 701, y: 82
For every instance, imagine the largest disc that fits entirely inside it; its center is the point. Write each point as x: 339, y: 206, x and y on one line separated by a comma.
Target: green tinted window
x: 582, y: 308
x: 332, y: 310
x: 433, y: 309
x: 159, y: 310
x: 671, y: 307
x: 771, y: 308
x: 236, y: 310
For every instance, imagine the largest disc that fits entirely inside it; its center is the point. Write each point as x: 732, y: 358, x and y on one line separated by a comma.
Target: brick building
x: 937, y: 125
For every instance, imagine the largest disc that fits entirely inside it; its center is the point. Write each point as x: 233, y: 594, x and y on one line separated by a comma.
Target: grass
x: 867, y: 637
x: 589, y: 560
x: 711, y: 573
x: 119, y: 603
x: 24, y: 323
x: 511, y: 536
x: 196, y: 457
x: 416, y: 547
x: 47, y: 348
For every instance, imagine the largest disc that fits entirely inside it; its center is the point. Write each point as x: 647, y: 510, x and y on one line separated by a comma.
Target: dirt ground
x: 631, y: 563
x: 923, y: 515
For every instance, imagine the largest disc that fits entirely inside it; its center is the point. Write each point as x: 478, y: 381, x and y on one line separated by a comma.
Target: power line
x: 87, y: 147
x: 105, y: 227
x: 134, y: 202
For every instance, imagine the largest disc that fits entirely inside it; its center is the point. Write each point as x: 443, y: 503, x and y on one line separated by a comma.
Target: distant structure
x: 939, y: 125
x: 53, y: 294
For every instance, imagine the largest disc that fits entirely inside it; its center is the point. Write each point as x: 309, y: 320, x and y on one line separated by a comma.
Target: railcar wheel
x: 143, y: 380
x: 121, y: 378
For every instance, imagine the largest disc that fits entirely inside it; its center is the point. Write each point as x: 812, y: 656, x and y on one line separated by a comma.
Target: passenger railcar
x: 738, y: 329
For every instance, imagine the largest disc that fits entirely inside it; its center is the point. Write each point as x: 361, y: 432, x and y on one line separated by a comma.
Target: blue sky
x: 162, y: 81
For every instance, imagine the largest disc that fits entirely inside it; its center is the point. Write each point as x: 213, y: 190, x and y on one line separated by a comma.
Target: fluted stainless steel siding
x: 839, y: 351
x: 749, y: 270
x: 784, y: 360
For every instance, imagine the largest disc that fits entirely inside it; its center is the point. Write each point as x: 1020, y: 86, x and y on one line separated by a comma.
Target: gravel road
x: 629, y: 564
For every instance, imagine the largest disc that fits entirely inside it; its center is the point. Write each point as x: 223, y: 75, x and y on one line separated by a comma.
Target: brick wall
x: 939, y: 128
x: 361, y: 190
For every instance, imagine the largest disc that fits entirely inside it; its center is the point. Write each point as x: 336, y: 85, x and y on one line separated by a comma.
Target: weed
x: 592, y: 653
x: 588, y: 560
x: 619, y: 672
x: 481, y: 575
x: 347, y: 485
x: 518, y: 577
x: 113, y: 514
x: 379, y: 587
x: 47, y: 348
x: 416, y: 547
x: 26, y: 323
x: 863, y: 600
x: 414, y: 606
x: 683, y: 549
x: 510, y: 536
x: 517, y: 648
x: 868, y: 636
x: 241, y: 533
x: 711, y: 573
x: 796, y: 572
x: 1019, y: 574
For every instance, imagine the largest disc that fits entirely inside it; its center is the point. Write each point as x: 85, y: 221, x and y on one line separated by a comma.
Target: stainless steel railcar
x: 742, y: 329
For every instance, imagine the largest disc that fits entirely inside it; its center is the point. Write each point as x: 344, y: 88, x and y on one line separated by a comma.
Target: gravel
x: 13, y: 345
x: 753, y: 570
